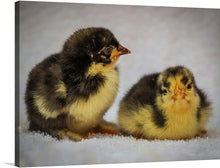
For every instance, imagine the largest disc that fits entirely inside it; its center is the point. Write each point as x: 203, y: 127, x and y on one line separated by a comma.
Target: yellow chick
x: 165, y: 105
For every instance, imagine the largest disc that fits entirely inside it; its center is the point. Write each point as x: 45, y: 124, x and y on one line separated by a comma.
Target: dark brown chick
x: 68, y: 93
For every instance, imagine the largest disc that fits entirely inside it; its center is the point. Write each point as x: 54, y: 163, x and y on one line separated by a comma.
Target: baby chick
x: 68, y: 93
x: 165, y: 105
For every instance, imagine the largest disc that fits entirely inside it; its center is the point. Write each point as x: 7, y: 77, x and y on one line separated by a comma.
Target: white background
x: 7, y: 79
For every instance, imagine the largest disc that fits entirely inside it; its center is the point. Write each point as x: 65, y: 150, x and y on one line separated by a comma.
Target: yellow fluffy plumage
x: 179, y: 110
x: 90, y: 110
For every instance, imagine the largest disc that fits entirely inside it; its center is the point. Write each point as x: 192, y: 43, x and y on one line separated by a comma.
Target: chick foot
x: 201, y: 133
x: 105, y: 127
x: 65, y: 133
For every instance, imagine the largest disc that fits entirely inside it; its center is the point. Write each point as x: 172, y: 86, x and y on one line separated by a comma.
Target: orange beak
x: 178, y: 93
x: 122, y: 50
x: 119, y: 51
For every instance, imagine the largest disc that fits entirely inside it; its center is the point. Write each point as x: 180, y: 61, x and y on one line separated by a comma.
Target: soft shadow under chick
x: 165, y: 105
x: 68, y: 93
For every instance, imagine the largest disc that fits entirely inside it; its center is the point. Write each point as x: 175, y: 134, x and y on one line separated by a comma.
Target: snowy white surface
x: 158, y: 38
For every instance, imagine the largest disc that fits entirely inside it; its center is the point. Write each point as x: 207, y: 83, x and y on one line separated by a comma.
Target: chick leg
x: 106, y: 127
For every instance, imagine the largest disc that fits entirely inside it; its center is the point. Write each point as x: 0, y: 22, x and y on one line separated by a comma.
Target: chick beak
x: 122, y: 50
x: 119, y: 51
x: 178, y: 94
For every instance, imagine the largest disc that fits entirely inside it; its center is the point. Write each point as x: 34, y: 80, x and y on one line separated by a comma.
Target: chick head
x: 176, y: 90
x: 98, y: 45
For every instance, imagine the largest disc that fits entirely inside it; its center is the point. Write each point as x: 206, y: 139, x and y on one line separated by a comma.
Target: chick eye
x: 107, y: 51
x: 189, y: 86
x: 164, y: 91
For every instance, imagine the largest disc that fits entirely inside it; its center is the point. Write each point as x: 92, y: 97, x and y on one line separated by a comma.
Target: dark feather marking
x: 203, y: 98
x: 43, y: 124
x: 91, y: 85
x: 143, y: 92
x: 61, y: 100
x: 158, y: 117
x: 198, y: 114
x: 184, y: 80
x: 166, y: 84
x: 204, y: 103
